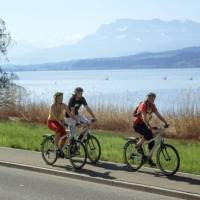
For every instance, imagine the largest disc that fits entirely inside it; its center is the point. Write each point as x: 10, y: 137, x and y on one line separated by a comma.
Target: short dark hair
x: 78, y: 89
x: 151, y: 94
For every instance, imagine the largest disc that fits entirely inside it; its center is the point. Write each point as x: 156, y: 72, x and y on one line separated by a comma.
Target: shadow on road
x: 190, y: 180
x: 178, y: 178
x: 88, y: 172
x: 109, y: 167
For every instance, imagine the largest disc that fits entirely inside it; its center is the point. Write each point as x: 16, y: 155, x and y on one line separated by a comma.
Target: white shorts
x: 72, y: 124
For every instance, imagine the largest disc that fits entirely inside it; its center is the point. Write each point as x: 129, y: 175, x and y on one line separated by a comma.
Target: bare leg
x: 57, y: 138
x: 140, y: 142
x: 64, y: 140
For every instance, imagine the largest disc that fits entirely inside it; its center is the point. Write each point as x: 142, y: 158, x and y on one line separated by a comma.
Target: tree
x: 9, y: 91
x: 5, y: 38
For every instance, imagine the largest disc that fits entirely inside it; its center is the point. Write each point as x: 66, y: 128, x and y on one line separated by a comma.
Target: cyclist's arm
x: 161, y: 117
x: 73, y: 116
x: 144, y: 117
x: 73, y: 111
x: 68, y: 111
x: 55, y: 115
x: 89, y: 110
x: 71, y: 105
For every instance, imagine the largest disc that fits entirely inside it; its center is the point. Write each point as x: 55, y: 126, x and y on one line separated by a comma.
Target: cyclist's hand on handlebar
x: 78, y: 123
x: 149, y: 127
x: 94, y: 119
x: 166, y: 125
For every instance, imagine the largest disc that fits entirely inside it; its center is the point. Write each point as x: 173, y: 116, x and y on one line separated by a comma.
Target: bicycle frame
x: 158, y: 139
x: 62, y: 138
x: 86, y: 131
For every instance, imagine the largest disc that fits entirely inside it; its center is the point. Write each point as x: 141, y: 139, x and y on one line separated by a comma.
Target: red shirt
x: 146, y: 107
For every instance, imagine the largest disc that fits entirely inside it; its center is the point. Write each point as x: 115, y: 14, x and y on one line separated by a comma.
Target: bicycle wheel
x: 49, y: 150
x: 168, y: 159
x: 93, y: 149
x: 132, y: 157
x: 77, y: 154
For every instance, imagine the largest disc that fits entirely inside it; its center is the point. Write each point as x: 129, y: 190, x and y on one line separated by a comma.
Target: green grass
x: 29, y: 136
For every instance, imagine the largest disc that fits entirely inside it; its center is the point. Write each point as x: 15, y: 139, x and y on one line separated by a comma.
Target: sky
x: 46, y: 23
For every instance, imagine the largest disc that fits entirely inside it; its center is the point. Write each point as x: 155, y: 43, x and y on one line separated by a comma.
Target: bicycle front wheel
x: 168, y: 159
x: 77, y: 154
x: 132, y: 157
x: 49, y: 150
x: 93, y: 149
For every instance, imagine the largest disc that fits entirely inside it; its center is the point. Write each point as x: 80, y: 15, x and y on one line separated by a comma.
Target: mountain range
x: 122, y: 37
x: 182, y: 58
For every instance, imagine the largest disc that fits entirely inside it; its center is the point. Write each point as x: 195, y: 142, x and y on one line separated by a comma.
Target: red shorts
x: 56, y: 127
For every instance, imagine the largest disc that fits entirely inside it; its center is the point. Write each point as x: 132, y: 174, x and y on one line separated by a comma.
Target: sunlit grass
x: 29, y: 136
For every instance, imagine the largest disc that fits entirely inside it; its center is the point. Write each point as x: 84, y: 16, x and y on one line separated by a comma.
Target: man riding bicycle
x: 141, y: 121
x: 75, y: 102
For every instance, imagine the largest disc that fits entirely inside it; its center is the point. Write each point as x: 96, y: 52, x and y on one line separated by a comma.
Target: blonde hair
x: 56, y: 95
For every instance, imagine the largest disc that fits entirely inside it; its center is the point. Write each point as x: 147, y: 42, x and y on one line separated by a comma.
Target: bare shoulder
x: 64, y: 106
x: 53, y: 105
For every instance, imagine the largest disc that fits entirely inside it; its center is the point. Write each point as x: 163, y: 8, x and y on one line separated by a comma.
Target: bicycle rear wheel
x: 93, y: 149
x: 132, y: 157
x: 49, y: 150
x: 77, y: 154
x: 168, y: 159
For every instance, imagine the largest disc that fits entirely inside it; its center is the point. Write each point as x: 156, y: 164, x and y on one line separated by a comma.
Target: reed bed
x: 184, y: 118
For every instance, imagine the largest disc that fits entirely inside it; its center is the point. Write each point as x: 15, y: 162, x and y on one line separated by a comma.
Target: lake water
x: 123, y: 88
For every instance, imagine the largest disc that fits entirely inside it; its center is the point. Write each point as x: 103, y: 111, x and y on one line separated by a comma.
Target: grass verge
x: 29, y: 136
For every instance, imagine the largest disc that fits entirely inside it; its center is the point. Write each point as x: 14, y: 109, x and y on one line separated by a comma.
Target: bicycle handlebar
x: 166, y: 126
x: 93, y: 120
x: 89, y: 122
x: 157, y: 128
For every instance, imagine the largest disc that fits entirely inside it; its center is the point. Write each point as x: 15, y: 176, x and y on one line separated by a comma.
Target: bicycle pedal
x: 80, y: 137
x: 145, y: 158
x: 139, y: 150
x: 133, y: 155
x: 60, y: 154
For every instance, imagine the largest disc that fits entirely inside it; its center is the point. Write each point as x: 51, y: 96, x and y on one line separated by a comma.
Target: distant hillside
x: 183, y: 58
x: 121, y: 37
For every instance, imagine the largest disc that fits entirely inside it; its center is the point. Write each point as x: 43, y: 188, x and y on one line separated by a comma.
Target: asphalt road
x: 18, y: 184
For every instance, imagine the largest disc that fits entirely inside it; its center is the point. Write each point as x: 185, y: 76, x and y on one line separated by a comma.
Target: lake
x: 124, y: 88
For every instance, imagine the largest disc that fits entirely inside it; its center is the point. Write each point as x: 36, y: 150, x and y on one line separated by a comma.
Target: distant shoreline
x: 182, y: 58
x: 96, y: 69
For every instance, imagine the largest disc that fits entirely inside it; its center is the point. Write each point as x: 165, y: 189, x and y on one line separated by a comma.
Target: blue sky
x: 54, y: 22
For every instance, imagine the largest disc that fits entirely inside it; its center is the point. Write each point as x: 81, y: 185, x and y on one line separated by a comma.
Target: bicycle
x: 93, y: 147
x: 167, y: 157
x: 75, y: 151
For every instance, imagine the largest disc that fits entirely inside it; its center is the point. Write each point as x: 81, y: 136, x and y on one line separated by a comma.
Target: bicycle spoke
x: 93, y: 149
x: 168, y: 159
x: 133, y: 158
x: 48, y: 150
x: 77, y: 154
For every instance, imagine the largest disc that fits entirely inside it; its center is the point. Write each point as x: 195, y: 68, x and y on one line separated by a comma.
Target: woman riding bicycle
x: 55, y: 120
x: 141, y: 121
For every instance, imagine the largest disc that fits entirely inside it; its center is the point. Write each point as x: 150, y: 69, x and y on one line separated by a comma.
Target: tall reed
x: 184, y: 118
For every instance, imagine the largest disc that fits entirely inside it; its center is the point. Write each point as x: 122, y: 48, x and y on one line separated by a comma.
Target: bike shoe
x: 151, y: 163
x: 139, y: 149
x: 80, y: 137
x: 60, y: 154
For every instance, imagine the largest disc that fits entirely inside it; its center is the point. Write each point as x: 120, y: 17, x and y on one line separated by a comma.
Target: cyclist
x: 141, y: 121
x: 75, y: 102
x: 55, y: 120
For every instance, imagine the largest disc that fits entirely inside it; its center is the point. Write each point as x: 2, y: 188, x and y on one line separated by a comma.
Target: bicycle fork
x: 164, y: 152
